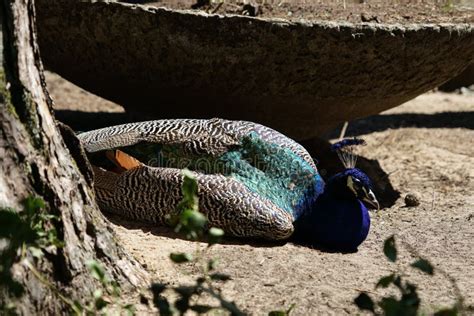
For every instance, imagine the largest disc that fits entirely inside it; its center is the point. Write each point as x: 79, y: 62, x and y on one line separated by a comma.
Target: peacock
x: 253, y: 181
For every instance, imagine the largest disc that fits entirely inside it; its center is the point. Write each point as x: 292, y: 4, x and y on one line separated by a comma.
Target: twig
x: 219, y: 5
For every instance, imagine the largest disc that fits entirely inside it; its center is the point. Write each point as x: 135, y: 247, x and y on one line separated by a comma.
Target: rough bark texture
x: 35, y: 161
x: 300, y: 78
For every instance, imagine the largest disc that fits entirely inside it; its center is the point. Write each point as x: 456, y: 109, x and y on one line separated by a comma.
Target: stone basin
x: 301, y: 78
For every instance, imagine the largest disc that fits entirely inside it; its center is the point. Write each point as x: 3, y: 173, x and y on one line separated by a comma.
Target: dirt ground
x: 393, y: 11
x: 426, y: 146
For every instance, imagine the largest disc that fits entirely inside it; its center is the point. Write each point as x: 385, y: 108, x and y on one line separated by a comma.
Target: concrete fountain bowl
x: 300, y: 78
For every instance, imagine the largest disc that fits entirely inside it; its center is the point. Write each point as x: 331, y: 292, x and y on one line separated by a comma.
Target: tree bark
x: 35, y: 161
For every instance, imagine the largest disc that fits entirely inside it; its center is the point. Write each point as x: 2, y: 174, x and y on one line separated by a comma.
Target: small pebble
x: 412, y: 200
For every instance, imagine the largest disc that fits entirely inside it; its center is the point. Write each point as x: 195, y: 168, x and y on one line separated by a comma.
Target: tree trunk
x: 35, y: 161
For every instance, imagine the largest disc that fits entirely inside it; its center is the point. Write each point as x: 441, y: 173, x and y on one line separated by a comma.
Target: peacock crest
x: 346, y: 150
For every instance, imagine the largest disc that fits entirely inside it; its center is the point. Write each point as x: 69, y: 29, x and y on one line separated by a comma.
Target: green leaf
x: 364, y: 302
x: 281, y: 312
x: 220, y: 277
x: 53, y: 238
x: 423, y: 265
x: 193, y: 219
x: 189, y: 189
x: 191, y: 223
x: 41, y: 233
x: 215, y: 235
x: 33, y: 205
x: 292, y: 306
x: 96, y: 270
x: 35, y: 252
x: 385, y: 281
x: 181, y: 257
x: 389, y: 249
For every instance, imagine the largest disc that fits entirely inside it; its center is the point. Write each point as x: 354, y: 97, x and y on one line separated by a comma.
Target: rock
x: 301, y: 78
x: 412, y: 199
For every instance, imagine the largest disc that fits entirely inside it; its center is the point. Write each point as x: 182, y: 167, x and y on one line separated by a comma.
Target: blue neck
x: 335, y: 222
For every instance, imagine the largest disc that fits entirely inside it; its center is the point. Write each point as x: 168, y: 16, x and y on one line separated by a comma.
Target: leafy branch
x: 408, y: 302
x: 31, y: 231
x: 29, y: 235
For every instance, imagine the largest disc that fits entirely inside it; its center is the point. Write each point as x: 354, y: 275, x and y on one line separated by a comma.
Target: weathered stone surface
x: 464, y: 79
x: 300, y: 78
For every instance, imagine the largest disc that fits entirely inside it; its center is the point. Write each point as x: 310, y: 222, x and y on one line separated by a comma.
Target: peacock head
x: 340, y: 219
x: 352, y: 182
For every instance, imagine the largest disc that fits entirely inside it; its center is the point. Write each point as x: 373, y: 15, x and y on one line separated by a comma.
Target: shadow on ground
x: 168, y: 232
x: 378, y: 123
x: 84, y: 121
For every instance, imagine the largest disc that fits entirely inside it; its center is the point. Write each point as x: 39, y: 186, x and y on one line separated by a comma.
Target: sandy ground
x: 426, y: 146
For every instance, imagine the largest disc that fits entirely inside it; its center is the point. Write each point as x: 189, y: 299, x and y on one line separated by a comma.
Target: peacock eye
x: 357, y: 183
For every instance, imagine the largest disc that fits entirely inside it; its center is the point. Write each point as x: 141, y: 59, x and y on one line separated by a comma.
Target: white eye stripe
x: 365, y: 190
x: 371, y: 195
x: 350, y: 184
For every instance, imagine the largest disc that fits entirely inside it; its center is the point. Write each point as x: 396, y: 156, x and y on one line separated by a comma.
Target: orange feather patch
x: 121, y: 160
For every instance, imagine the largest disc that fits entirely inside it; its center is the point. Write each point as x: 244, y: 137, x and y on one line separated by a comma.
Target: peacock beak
x: 371, y: 200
